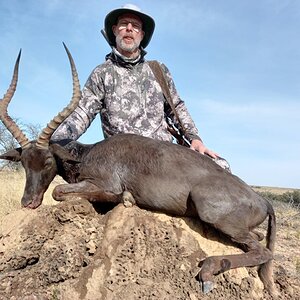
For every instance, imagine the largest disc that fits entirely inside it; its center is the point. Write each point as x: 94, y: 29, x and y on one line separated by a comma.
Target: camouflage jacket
x: 129, y: 100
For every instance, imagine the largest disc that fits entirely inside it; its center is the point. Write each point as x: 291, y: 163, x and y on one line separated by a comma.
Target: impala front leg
x: 128, y: 199
x: 85, y: 190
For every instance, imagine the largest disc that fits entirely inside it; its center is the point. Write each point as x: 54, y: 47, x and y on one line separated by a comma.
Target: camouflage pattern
x: 129, y: 100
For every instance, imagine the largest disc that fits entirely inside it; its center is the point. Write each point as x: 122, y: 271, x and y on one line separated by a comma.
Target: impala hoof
x: 207, y: 286
x: 128, y: 199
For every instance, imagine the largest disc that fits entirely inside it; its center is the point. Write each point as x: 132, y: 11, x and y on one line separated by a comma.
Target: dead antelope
x: 160, y: 175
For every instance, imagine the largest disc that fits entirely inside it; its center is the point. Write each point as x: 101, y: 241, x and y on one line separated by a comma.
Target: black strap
x: 161, y: 79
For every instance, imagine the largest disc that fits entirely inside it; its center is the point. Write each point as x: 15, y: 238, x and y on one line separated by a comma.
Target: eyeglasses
x: 124, y: 24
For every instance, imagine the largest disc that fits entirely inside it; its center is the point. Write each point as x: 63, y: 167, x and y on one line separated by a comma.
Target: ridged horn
x: 9, y: 123
x: 44, y: 137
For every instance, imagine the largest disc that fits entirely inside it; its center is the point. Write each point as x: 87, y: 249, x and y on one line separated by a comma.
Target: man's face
x: 129, y: 34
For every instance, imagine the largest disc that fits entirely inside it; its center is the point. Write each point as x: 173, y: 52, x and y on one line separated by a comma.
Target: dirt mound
x: 72, y: 251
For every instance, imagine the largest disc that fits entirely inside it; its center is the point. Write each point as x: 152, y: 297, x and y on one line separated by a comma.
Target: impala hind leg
x: 254, y: 255
x: 257, y: 235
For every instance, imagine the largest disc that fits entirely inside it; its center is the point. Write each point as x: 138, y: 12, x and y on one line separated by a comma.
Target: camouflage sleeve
x: 189, y: 126
x: 81, y: 118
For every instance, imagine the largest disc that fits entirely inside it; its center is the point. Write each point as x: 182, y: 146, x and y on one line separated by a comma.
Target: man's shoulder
x: 105, y: 64
x: 155, y: 61
x: 161, y: 64
x: 102, y: 68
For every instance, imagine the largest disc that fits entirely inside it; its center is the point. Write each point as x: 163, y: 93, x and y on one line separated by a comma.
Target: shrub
x: 291, y: 198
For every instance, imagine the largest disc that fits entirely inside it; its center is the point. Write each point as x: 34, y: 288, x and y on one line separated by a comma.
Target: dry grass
x: 273, y: 190
x: 287, y: 253
x: 11, y: 190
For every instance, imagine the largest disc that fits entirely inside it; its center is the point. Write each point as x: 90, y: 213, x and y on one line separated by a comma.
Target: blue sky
x: 236, y: 64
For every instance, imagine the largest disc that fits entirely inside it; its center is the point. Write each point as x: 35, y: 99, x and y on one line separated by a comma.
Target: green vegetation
x: 291, y: 197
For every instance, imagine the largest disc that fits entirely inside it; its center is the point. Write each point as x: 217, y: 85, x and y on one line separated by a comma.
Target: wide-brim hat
x: 112, y: 19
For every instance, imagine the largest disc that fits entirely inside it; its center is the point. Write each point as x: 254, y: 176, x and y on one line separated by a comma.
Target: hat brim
x: 112, y: 19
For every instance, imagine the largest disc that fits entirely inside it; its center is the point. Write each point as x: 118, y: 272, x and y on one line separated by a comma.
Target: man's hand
x: 197, y: 145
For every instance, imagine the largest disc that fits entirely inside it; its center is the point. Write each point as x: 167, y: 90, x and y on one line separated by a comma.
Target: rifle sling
x: 161, y: 79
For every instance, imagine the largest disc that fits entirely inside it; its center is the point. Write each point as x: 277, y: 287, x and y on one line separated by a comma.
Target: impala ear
x: 12, y: 155
x: 63, y: 154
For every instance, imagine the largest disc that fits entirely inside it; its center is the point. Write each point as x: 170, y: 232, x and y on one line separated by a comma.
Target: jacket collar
x: 116, y: 57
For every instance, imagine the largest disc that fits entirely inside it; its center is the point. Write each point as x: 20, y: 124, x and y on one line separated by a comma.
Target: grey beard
x: 126, y: 47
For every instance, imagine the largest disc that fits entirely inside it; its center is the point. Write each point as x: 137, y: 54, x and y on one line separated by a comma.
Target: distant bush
x: 8, y: 142
x: 292, y: 198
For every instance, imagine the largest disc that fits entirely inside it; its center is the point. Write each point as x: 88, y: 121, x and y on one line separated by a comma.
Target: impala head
x: 37, y: 157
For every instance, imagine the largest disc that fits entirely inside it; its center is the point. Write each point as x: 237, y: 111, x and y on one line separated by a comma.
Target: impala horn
x: 44, y: 137
x: 9, y: 123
